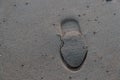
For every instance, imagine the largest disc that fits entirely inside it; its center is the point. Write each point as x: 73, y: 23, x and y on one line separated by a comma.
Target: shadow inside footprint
x: 73, y: 49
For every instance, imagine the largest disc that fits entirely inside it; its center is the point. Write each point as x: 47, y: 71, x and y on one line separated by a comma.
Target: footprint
x: 73, y: 49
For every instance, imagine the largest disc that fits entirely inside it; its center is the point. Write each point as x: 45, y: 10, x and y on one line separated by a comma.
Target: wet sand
x: 30, y: 45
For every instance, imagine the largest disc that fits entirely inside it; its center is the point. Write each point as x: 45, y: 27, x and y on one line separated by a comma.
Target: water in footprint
x: 73, y: 50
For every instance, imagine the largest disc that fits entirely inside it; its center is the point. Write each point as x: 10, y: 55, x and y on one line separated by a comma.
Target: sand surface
x: 29, y: 41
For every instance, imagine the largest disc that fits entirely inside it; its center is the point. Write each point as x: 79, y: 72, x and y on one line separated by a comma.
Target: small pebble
x: 79, y: 15
x: 94, y: 32
x: 108, y: 0
x: 88, y: 6
x: 70, y: 77
x: 26, y: 3
x: 114, y: 14
x: 22, y: 65
x: 14, y: 5
x: 107, y: 71
x: 53, y: 24
x: 41, y: 77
